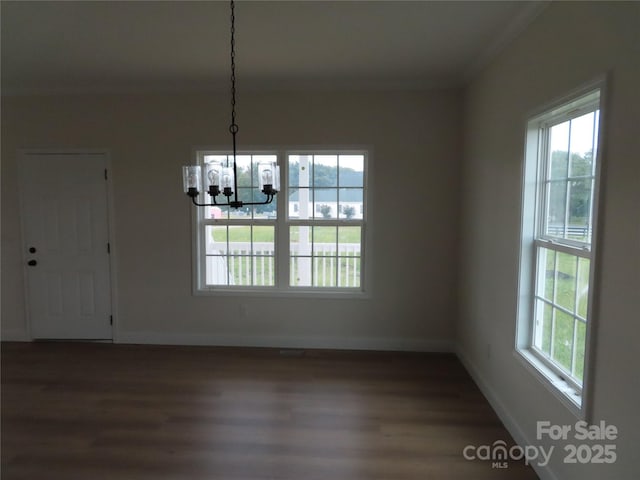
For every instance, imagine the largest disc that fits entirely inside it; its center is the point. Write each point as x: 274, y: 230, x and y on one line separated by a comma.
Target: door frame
x: 113, y: 274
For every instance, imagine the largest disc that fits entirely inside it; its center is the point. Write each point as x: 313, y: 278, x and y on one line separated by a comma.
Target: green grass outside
x: 572, y: 274
x: 266, y: 233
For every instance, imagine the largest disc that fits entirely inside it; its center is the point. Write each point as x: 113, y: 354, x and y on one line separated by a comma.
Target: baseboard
x: 338, y: 343
x: 14, y: 336
x: 545, y: 473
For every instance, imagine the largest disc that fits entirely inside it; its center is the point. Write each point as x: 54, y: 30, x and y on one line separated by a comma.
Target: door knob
x: 32, y: 263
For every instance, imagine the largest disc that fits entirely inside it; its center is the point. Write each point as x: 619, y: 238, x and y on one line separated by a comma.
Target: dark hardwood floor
x: 97, y: 411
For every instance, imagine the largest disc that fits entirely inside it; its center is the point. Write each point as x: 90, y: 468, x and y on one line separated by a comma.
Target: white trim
x: 548, y: 377
x: 603, y: 83
x: 425, y: 84
x: 556, y: 103
x: 14, y: 335
x: 514, y: 28
x: 278, y: 341
x: 113, y: 251
x: 507, y: 419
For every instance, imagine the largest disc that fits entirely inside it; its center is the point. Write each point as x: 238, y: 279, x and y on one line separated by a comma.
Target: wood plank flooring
x: 96, y: 411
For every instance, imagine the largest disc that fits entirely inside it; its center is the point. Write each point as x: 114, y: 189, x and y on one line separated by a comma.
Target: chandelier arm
x: 235, y: 204
x: 196, y: 203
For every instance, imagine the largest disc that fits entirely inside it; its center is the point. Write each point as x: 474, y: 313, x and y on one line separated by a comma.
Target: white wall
x: 415, y: 137
x: 569, y: 44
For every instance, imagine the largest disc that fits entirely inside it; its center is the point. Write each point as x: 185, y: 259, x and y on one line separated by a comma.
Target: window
x: 311, y: 239
x: 326, y: 193
x: 559, y: 219
x: 238, y: 245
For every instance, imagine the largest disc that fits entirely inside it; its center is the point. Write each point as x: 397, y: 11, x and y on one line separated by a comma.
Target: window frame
x: 537, y: 160
x: 281, y: 224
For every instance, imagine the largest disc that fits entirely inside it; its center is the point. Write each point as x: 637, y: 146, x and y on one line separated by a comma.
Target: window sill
x: 281, y: 293
x: 567, y: 394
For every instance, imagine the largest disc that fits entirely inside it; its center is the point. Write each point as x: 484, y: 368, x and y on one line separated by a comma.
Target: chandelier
x: 223, y: 179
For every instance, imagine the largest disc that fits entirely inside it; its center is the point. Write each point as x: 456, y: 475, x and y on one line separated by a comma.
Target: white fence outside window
x: 332, y: 265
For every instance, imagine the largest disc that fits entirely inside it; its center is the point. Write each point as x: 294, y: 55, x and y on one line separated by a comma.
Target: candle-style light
x: 213, y: 177
x: 191, y: 180
x: 269, y: 177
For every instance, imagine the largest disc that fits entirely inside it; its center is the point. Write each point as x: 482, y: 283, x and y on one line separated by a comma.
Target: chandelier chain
x: 233, y: 128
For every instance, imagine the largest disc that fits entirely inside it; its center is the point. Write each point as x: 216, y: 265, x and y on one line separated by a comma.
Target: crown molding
x: 516, y: 27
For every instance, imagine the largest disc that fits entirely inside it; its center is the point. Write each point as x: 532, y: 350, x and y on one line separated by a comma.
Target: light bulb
x: 226, y: 180
x: 214, y: 177
x: 267, y: 177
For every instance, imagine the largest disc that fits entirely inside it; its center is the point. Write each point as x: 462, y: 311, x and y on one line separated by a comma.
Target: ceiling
x: 83, y: 46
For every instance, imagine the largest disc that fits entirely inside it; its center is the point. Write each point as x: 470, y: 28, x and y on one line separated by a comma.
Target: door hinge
x: 108, y: 247
x: 110, y: 319
x: 105, y: 174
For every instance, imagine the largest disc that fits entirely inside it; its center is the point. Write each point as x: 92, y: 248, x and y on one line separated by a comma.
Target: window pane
x: 566, y: 281
x: 580, y: 195
x: 243, y: 163
x: 300, y: 241
x: 583, y: 286
x: 224, y: 211
x: 325, y: 171
x: 582, y: 164
x: 211, y: 213
x: 263, y: 271
x: 324, y: 269
x: 582, y: 144
x: 351, y: 201
x: 542, y: 326
x: 349, y: 239
x: 263, y: 240
x: 215, y: 240
x: 216, y: 271
x: 240, y: 238
x: 324, y: 252
x: 325, y: 203
x: 300, y: 170
x: 240, y: 270
x: 324, y: 240
x: 300, y: 271
x: 269, y: 210
x: 300, y: 203
x: 581, y: 342
x: 559, y: 151
x: 547, y: 320
x: 562, y: 347
x: 546, y: 273
x: 349, y: 271
x: 556, y: 209
x: 351, y: 173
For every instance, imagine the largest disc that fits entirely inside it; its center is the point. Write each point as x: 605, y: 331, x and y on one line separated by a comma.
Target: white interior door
x: 66, y: 235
